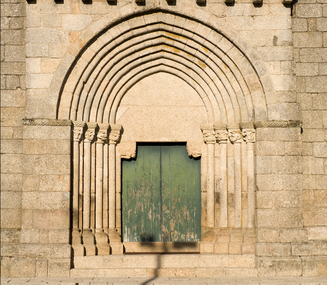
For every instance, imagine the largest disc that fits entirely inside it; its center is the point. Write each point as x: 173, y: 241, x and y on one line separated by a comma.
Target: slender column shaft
x: 105, y: 186
x: 237, y: 184
x: 211, y: 186
x: 75, y: 184
x: 223, y: 185
x: 210, y: 139
x: 251, y: 198
x: 87, y: 185
x: 98, y: 193
x: 112, y: 186
x: 249, y: 137
x: 81, y: 185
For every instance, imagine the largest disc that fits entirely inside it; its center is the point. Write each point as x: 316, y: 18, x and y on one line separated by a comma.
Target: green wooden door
x: 161, y: 197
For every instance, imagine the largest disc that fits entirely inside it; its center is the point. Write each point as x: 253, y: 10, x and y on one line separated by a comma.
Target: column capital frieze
x: 115, y: 133
x: 208, y: 132
x: 221, y: 133
x: 102, y: 135
x: 90, y: 132
x: 78, y: 130
x: 235, y: 135
x: 248, y: 135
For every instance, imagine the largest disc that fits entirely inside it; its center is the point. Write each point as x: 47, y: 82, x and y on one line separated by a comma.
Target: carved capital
x: 194, y: 149
x: 127, y: 150
x: 235, y: 135
x: 90, y: 132
x: 249, y: 135
x: 102, y: 136
x: 221, y: 133
x: 208, y: 134
x: 78, y: 130
x: 115, y: 132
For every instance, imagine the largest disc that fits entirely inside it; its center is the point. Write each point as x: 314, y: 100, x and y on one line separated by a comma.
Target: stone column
x: 88, y: 237
x: 249, y: 138
x: 78, y: 134
x: 100, y: 236
x: 222, y: 137
x: 235, y: 137
x: 115, y: 238
x: 210, y: 139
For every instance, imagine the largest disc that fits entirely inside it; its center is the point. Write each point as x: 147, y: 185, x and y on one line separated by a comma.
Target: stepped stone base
x: 164, y: 265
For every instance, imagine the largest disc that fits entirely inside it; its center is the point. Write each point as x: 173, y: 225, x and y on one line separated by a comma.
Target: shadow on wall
x: 148, y: 240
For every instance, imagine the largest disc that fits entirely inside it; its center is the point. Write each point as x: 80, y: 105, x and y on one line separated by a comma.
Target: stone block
x: 13, y: 68
x: 284, y: 111
x: 49, y: 65
x: 10, y: 218
x: 310, y: 39
x: 320, y: 149
x: 43, y: 36
x: 313, y: 135
x: 46, y: 200
x: 267, y: 235
x: 234, y: 248
x: 220, y: 248
x: 299, y: 25
x: 307, y: 69
x: 276, y: 53
x: 310, y: 266
x: 273, y: 249
x: 22, y: 267
x: 11, y: 200
x: 316, y: 84
x: 12, y: 116
x: 287, y: 199
x: 59, y: 236
x: 319, y: 248
x: 12, y: 37
x: 59, y: 267
x: 287, y: 164
x: 30, y: 236
x: 76, y: 22
x: 317, y: 233
x: 313, y: 55
x: 41, y: 268
x: 58, y: 146
x: 51, y: 219
x: 302, y: 249
x: 292, y: 235
x: 15, y: 53
x: 315, y: 217
x: 317, y: 182
x: 268, y: 148
x: 279, y: 182
x: 322, y: 265
x: 288, y: 267
x: 265, y: 199
x: 280, y: 218
x: 10, y: 235
x: 313, y: 119
x: 37, y: 50
x: 264, y: 164
x: 56, y: 182
x: 308, y: 11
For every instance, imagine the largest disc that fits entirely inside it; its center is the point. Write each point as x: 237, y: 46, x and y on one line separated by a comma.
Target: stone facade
x: 243, y: 84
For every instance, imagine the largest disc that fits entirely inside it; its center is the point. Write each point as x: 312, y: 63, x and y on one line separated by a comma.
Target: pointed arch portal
x: 219, y: 85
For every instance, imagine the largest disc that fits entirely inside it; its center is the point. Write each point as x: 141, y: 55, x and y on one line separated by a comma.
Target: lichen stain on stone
x: 200, y: 62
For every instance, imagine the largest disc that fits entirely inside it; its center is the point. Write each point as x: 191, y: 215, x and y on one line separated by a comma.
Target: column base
x: 117, y: 248
x: 78, y: 250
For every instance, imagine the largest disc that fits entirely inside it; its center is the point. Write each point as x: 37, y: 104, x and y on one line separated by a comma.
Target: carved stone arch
x: 218, y: 66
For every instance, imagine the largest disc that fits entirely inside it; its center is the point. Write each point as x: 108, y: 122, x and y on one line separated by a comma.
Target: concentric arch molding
x: 221, y: 67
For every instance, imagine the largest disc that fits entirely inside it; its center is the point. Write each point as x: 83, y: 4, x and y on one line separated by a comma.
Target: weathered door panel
x: 141, y: 196
x: 161, y: 196
x: 181, y: 197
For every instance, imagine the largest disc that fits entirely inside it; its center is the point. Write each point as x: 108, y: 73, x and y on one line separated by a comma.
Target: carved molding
x: 208, y: 134
x: 102, y: 135
x: 90, y: 132
x: 115, y: 132
x: 127, y: 150
x: 278, y: 124
x: 249, y: 135
x: 78, y: 130
x: 194, y: 149
x: 235, y: 135
x: 46, y: 122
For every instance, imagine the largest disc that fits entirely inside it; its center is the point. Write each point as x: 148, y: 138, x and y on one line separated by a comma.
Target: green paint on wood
x: 161, y: 195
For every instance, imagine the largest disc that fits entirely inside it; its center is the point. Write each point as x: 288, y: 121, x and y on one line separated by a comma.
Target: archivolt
x: 222, y: 75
